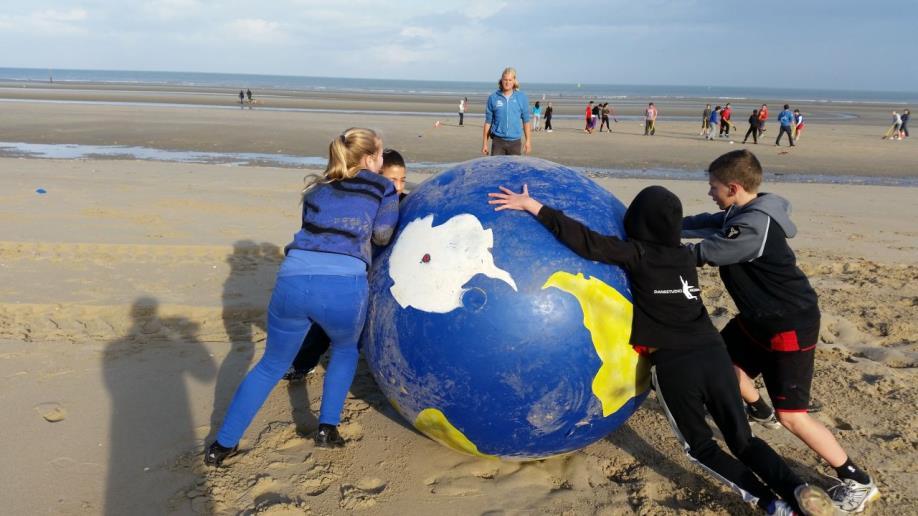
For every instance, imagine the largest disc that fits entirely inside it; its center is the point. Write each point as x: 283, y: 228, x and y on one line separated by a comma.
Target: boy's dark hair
x: 740, y: 167
x: 786, y: 106
x: 391, y: 158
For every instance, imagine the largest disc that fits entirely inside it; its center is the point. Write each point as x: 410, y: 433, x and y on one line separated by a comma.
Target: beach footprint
x: 362, y: 494
x: 51, y: 412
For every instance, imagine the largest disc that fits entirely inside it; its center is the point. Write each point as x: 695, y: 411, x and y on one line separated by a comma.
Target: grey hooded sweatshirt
x: 757, y: 266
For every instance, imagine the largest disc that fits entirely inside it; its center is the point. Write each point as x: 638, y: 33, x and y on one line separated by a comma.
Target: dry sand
x: 132, y: 300
x: 132, y: 297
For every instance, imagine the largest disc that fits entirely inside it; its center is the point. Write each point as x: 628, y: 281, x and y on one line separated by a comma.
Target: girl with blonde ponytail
x: 322, y: 280
x: 355, y: 149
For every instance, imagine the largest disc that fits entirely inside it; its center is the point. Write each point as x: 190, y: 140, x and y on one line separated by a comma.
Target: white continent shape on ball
x: 430, y: 265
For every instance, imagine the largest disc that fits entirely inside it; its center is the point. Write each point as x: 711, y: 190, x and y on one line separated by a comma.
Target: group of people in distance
x: 245, y: 97
x: 717, y: 122
x: 598, y: 114
x: 320, y: 299
x: 899, y: 128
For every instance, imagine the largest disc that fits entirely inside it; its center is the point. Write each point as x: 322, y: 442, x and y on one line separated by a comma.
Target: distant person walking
x: 753, y: 127
x: 589, y: 118
x: 763, y: 117
x: 903, y: 130
x: 549, y: 111
x: 725, y: 123
x: 507, y: 118
x: 606, y: 111
x: 537, y: 117
x: 893, y: 132
x: 241, y: 99
x: 650, y: 120
x: 799, y: 124
x: 786, y: 120
x: 713, y: 123
x: 705, y: 118
x: 594, y: 116
x: 463, y: 105
x: 248, y: 95
x: 589, y: 114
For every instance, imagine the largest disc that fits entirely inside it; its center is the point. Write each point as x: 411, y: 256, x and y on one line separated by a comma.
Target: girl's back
x: 346, y: 216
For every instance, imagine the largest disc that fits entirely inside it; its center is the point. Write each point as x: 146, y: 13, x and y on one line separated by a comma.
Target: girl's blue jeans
x: 339, y: 305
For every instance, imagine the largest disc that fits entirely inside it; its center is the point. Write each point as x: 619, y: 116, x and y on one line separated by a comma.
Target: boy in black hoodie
x: 692, y: 371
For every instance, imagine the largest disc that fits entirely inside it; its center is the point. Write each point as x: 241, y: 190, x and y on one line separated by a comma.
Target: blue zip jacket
x: 507, y: 115
x: 786, y: 118
x: 347, y: 216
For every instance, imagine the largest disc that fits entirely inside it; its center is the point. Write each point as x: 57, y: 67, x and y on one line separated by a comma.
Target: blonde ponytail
x: 344, y: 155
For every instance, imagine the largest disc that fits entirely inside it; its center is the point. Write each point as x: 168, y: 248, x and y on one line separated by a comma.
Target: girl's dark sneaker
x: 328, y: 437
x: 215, y: 453
x: 297, y: 375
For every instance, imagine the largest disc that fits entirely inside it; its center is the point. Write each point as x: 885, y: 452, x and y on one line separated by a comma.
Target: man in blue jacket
x: 786, y: 119
x: 507, y: 118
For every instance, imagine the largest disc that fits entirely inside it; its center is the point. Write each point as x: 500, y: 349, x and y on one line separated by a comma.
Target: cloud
x: 53, y: 15
x: 47, y: 22
x: 256, y: 30
x: 481, y: 10
x: 172, y: 9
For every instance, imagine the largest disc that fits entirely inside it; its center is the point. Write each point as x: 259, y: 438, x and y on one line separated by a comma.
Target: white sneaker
x: 852, y: 496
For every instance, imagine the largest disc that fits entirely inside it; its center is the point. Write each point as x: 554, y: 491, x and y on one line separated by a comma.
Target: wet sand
x: 840, y: 139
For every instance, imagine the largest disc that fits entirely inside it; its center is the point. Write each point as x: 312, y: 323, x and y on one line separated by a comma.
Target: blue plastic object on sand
x: 41, y: 191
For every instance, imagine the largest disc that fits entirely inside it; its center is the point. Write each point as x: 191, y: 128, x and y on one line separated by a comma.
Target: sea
x: 455, y: 88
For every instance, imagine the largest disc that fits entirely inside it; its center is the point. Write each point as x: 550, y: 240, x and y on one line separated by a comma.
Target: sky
x: 840, y: 44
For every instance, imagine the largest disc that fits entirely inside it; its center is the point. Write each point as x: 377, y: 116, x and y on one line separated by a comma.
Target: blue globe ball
x: 488, y: 334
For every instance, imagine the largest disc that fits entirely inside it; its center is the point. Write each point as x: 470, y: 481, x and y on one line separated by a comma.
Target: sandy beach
x: 133, y: 295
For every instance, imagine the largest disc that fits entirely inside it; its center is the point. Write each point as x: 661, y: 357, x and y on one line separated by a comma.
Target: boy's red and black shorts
x: 784, y: 359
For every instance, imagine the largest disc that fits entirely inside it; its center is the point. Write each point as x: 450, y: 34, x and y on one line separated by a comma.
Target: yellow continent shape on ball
x: 433, y: 423
x: 607, y: 314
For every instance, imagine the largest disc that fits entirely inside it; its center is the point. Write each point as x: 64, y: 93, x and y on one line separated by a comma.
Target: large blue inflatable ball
x: 489, y: 335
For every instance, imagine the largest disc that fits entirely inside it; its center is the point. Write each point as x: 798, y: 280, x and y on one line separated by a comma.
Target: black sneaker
x: 328, y: 437
x: 216, y: 453
x: 297, y: 375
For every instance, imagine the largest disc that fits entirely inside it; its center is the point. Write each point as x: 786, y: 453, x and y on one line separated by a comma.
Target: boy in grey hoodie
x: 777, y: 328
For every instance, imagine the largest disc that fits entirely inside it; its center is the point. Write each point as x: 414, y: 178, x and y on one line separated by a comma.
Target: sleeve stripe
x: 764, y: 238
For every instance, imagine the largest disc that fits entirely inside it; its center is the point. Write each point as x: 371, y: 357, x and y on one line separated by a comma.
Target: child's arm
x: 579, y: 238
x: 743, y: 240
x: 386, y: 216
x: 702, y: 225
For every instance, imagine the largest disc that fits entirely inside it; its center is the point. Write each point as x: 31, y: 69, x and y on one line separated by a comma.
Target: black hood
x: 655, y: 216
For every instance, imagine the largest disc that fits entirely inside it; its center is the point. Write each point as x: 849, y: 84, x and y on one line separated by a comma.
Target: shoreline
x: 317, y: 163
x: 845, y: 144
x: 422, y: 102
